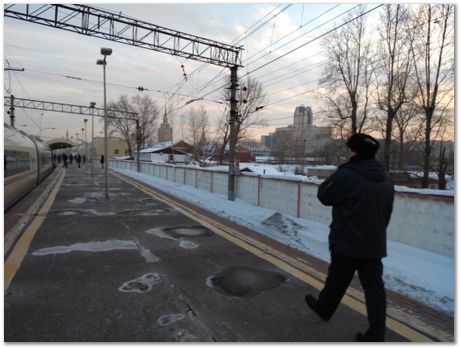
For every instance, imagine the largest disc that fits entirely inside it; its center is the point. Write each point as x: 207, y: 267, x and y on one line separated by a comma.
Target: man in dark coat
x: 361, y: 195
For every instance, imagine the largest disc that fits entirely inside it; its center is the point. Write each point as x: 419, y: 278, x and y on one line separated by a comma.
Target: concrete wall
x: 421, y: 220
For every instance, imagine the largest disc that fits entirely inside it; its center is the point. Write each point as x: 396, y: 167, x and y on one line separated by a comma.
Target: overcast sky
x: 48, y: 55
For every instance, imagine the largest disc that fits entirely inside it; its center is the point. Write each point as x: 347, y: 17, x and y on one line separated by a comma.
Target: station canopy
x: 60, y: 143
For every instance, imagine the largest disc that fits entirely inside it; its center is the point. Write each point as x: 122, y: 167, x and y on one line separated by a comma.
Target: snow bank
x: 421, y: 275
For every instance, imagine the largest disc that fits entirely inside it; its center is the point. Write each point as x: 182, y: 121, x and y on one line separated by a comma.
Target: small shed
x: 168, y: 151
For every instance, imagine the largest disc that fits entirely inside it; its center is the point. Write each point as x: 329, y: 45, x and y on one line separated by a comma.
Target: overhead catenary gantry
x: 12, y: 102
x: 87, y: 20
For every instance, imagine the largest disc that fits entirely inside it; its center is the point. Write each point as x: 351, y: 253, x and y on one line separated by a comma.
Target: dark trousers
x: 340, y: 274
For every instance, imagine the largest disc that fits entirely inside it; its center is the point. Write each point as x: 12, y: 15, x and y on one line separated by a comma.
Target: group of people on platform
x: 66, y: 159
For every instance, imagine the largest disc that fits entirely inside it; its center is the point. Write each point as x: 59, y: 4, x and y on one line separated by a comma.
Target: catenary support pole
x: 12, y: 111
x: 233, y: 120
x: 138, y: 139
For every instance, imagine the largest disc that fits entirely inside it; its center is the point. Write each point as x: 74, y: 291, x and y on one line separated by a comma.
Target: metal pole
x: 233, y: 117
x: 92, y: 104
x: 86, y: 141
x: 138, y: 138
x: 12, y: 112
x: 106, y: 158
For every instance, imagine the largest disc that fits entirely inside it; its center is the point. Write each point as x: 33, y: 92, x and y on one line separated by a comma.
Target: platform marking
x: 14, y: 260
x: 396, y: 320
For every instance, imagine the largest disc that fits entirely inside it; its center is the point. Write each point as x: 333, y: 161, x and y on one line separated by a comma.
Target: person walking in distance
x: 64, y: 160
x: 102, y: 161
x: 78, y: 159
x: 361, y: 195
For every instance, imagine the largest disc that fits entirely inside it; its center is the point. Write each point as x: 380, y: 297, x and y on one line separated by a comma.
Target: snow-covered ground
x: 421, y: 275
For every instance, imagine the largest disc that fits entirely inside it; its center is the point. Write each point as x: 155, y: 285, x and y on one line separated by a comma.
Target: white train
x: 27, y: 162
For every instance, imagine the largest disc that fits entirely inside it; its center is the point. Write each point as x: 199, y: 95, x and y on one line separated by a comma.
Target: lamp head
x: 100, y: 62
x: 106, y: 51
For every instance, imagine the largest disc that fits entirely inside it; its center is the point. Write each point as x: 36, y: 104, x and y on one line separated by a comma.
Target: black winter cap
x: 363, y: 144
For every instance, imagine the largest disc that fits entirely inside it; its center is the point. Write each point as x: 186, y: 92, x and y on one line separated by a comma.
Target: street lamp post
x: 92, y: 105
x: 86, y: 141
x: 105, y: 52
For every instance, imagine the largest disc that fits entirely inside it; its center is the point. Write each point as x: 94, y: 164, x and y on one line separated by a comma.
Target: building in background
x: 301, y: 138
x: 165, y: 130
x: 168, y: 151
x: 116, y: 147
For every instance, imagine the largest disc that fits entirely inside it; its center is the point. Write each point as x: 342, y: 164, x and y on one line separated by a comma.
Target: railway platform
x: 143, y: 266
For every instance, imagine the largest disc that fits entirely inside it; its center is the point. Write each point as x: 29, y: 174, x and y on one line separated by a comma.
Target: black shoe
x: 312, y: 302
x: 360, y: 337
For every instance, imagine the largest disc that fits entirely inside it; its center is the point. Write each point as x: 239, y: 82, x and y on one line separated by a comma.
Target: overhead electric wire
x: 323, y: 13
x: 312, y: 40
x: 285, y: 36
x: 234, y: 42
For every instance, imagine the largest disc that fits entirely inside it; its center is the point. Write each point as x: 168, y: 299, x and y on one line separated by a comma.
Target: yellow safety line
x: 14, y: 260
x: 393, y: 322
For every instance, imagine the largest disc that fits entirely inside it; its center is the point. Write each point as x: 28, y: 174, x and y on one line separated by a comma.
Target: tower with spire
x: 165, y: 130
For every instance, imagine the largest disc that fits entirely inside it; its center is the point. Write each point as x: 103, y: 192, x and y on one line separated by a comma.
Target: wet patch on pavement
x: 245, y: 281
x: 142, y: 284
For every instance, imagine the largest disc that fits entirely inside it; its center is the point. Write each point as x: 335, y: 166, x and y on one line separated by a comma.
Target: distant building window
x: 116, y: 151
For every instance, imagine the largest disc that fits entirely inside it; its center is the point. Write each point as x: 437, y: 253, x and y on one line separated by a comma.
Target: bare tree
x: 348, y: 75
x: 198, y: 123
x: 251, y: 100
x: 148, y: 115
x: 121, y: 123
x: 434, y: 68
x: 394, y: 68
x: 408, y: 130
x: 125, y: 126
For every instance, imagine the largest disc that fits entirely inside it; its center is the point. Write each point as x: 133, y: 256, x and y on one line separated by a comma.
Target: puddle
x: 169, y: 319
x: 188, y: 231
x: 245, y: 282
x: 142, y: 284
x: 109, y: 245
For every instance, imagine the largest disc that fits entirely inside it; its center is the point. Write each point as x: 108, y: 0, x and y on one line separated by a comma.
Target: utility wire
x: 312, y: 40
x: 234, y: 42
x: 308, y: 22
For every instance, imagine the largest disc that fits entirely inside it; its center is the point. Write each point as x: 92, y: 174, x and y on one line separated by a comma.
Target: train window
x: 16, y: 162
x: 45, y: 157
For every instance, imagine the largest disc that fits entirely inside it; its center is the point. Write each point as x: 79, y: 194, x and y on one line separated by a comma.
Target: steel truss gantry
x: 107, y: 25
x: 61, y: 107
